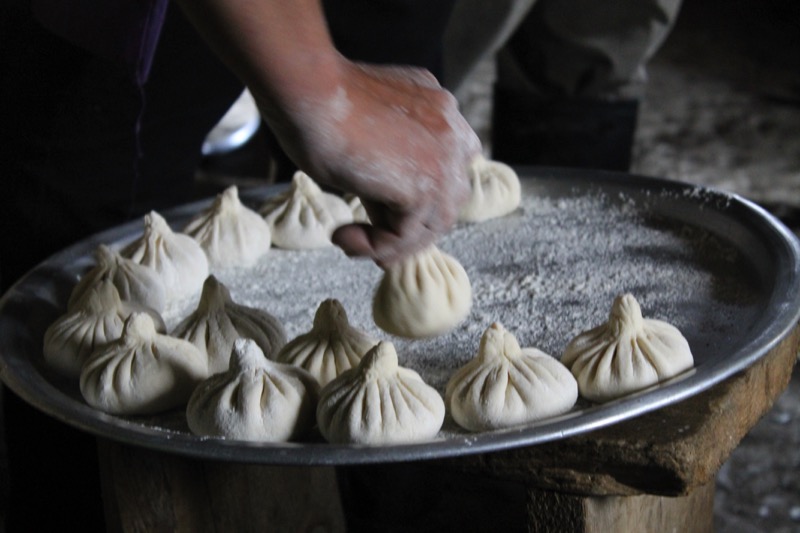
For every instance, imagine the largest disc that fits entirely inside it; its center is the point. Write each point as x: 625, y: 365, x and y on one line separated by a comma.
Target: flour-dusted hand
x: 393, y: 136
x: 389, y: 134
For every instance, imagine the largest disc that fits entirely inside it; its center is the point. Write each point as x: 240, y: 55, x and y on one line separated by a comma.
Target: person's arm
x: 391, y: 135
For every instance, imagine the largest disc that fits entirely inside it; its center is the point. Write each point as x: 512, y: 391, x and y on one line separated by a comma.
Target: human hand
x: 395, y: 138
x: 391, y: 135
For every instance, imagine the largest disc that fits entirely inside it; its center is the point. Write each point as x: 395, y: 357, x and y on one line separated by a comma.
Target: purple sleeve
x: 118, y: 30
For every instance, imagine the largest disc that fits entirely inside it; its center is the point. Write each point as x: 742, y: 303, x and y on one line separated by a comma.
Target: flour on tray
x: 547, y: 271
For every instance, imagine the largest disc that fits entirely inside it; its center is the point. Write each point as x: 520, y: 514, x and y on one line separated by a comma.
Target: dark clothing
x: 122, y: 31
x: 85, y: 147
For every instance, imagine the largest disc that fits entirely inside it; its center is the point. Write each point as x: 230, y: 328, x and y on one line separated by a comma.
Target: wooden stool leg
x: 553, y: 512
x: 149, y: 491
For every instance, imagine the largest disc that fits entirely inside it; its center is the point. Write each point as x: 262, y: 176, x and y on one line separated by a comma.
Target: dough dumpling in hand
x: 626, y: 354
x: 142, y: 372
x: 230, y: 233
x: 331, y: 347
x: 217, y: 322
x: 505, y: 385
x: 357, y: 208
x: 379, y: 402
x: 95, y: 319
x: 255, y: 400
x: 423, y: 295
x: 496, y: 190
x: 178, y: 259
x: 305, y: 216
x: 134, y: 282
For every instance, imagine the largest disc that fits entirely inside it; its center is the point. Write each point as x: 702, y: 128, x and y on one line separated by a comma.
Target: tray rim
x: 785, y: 297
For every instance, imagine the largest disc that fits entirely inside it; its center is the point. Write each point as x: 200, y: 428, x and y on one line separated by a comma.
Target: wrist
x: 281, y: 49
x: 306, y: 80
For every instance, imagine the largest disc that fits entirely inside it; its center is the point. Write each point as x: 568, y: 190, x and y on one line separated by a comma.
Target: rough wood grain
x: 693, y: 513
x: 552, y: 512
x: 149, y: 491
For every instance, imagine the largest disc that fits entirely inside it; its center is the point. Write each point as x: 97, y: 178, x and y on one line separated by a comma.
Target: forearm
x: 391, y: 135
x: 281, y: 49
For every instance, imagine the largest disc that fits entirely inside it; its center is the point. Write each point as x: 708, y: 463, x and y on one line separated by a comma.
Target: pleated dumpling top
x: 134, y: 282
x: 142, y: 372
x: 626, y: 354
x: 495, y: 190
x: 95, y: 318
x: 255, y: 399
x: 218, y: 322
x: 505, y: 385
x: 177, y: 258
x: 423, y: 295
x: 304, y: 217
x: 231, y: 234
x: 330, y: 347
x: 379, y: 402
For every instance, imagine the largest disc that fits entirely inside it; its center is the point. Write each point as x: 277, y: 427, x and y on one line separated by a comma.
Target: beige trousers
x: 559, y: 48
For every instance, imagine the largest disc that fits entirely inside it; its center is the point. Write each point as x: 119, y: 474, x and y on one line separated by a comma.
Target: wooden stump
x: 149, y: 491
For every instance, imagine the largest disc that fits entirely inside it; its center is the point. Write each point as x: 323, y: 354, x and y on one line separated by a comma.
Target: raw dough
x: 134, y: 282
x: 505, y: 385
x: 357, y: 208
x: 230, y: 233
x: 143, y: 372
x: 331, y: 347
x: 304, y: 217
x: 96, y: 318
x: 379, y: 402
x: 626, y: 354
x: 496, y: 190
x: 178, y: 259
x: 423, y: 295
x: 255, y: 400
x: 217, y: 322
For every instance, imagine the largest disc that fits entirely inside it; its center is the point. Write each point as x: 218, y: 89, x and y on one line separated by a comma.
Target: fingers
x: 402, y: 146
x: 392, y: 235
x: 381, y: 244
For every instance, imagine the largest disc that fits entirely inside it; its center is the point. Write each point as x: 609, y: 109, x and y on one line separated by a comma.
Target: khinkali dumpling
x: 95, y: 318
x: 217, y: 322
x: 304, y: 217
x: 255, y: 400
x: 134, y: 282
x: 379, y: 402
x: 495, y: 190
x: 505, y: 385
x: 230, y: 233
x: 423, y: 295
x: 142, y: 372
x: 357, y: 208
x: 178, y: 259
x: 331, y: 347
x: 626, y: 354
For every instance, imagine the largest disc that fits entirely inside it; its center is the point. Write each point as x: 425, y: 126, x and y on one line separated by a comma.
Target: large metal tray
x: 768, y: 258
